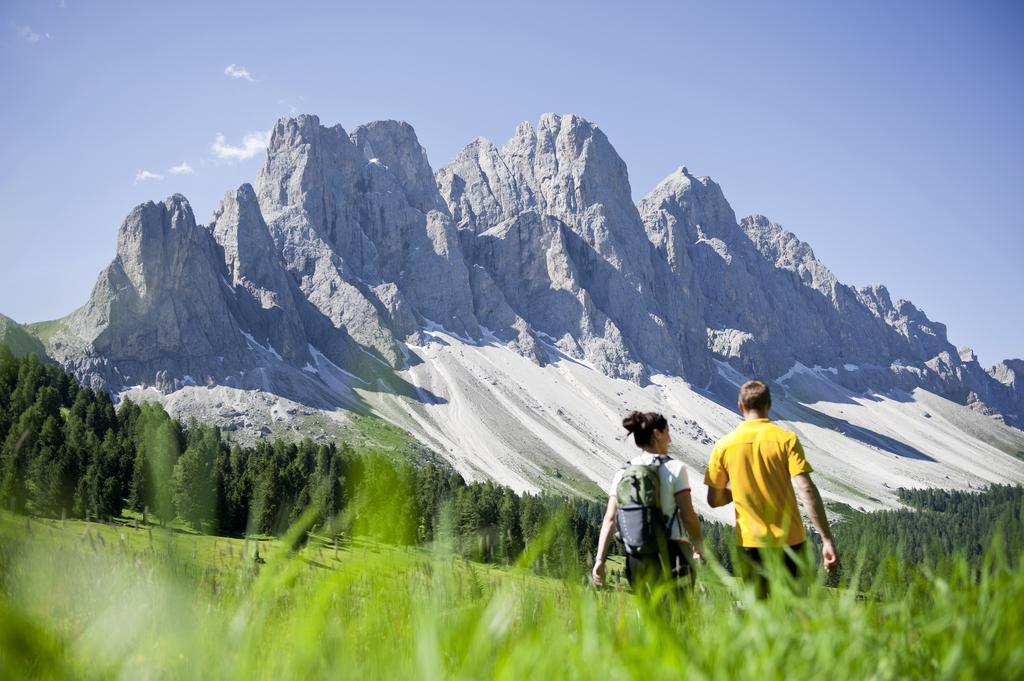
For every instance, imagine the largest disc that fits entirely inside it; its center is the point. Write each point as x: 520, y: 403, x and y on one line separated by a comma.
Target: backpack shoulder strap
x: 661, y: 461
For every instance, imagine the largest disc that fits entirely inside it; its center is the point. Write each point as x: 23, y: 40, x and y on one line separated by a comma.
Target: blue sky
x: 887, y: 135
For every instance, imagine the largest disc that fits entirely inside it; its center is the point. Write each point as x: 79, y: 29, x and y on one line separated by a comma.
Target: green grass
x: 143, y: 603
x: 20, y: 341
x: 44, y: 330
x: 368, y: 434
x: 839, y: 510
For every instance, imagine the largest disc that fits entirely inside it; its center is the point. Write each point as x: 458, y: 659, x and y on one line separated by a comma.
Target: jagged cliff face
x: 1010, y: 373
x: 549, y: 223
x: 161, y: 312
x: 768, y: 302
x: 351, y: 252
x: 362, y: 229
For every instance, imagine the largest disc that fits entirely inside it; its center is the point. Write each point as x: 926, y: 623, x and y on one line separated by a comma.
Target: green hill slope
x: 20, y: 341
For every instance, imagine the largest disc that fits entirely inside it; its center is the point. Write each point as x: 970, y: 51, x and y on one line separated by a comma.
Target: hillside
x: 20, y: 341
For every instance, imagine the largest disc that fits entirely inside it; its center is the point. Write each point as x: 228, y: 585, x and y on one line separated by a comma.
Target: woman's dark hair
x: 643, y: 424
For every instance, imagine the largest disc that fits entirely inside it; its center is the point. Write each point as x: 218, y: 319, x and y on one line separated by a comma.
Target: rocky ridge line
x: 349, y: 248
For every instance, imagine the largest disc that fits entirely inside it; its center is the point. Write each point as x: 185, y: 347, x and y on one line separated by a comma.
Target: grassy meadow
x: 358, y: 559
x: 112, y: 601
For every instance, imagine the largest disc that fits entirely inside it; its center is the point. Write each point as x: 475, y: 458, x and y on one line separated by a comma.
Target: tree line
x: 65, y: 450
x: 936, y: 528
x: 68, y: 452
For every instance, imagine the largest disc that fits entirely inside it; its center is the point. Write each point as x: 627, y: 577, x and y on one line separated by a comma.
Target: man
x: 753, y: 467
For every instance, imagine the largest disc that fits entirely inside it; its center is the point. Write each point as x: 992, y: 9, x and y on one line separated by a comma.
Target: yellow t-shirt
x: 759, y: 459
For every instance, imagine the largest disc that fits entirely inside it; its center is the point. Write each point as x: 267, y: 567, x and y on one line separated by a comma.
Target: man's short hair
x: 754, y: 395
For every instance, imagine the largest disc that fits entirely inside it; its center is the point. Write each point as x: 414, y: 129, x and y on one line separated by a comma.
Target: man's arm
x: 811, y: 500
x: 719, y: 496
x: 687, y: 516
x: 607, y: 527
x: 716, y: 477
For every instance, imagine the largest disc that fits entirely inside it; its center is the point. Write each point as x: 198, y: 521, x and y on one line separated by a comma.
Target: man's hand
x: 829, y: 555
x: 597, y: 574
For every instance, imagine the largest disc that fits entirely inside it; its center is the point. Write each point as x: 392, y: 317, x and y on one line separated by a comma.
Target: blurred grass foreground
x: 82, y: 600
x: 133, y: 546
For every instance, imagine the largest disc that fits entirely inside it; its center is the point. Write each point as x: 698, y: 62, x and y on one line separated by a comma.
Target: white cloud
x: 236, y: 71
x: 252, y: 144
x: 144, y: 175
x: 183, y: 169
x: 26, y: 33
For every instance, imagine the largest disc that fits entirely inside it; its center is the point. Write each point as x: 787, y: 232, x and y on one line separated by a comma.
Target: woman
x: 650, y: 433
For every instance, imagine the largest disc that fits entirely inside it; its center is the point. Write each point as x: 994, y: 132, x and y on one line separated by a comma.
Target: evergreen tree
x: 100, y: 493
x: 268, y: 503
x: 157, y: 444
x: 19, y: 451
x: 196, y: 477
x: 509, y: 533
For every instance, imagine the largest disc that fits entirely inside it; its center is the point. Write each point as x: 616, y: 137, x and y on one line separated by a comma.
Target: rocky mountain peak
x: 163, y: 305
x: 349, y: 246
x: 360, y: 224
x: 697, y: 198
x: 238, y: 227
x: 291, y: 132
x: 1009, y: 372
x: 394, y: 145
x: 926, y: 338
x: 568, y: 169
x: 157, y: 241
x: 966, y: 354
x: 569, y: 164
x: 685, y: 210
x: 787, y: 252
x: 565, y: 168
x: 479, y: 187
x: 876, y: 298
x: 555, y: 199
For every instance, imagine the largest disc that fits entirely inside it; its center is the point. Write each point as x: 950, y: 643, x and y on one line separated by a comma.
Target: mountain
x: 508, y: 309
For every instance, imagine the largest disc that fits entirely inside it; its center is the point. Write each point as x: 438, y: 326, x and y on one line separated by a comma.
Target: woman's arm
x: 607, y: 527
x: 684, y: 506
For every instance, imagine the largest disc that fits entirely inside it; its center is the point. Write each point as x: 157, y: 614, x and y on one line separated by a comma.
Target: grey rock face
x: 746, y: 300
x: 479, y: 188
x: 555, y: 201
x: 268, y: 301
x: 785, y: 251
x: 769, y: 302
x: 162, y: 308
x: 271, y: 310
x: 362, y: 228
x: 350, y: 245
x: 293, y: 188
x: 923, y: 338
x: 1009, y: 372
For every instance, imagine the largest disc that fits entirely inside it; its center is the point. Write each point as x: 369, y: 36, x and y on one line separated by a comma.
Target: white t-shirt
x: 673, y: 479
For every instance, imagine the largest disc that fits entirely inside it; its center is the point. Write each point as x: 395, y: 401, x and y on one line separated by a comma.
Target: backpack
x: 643, y: 525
